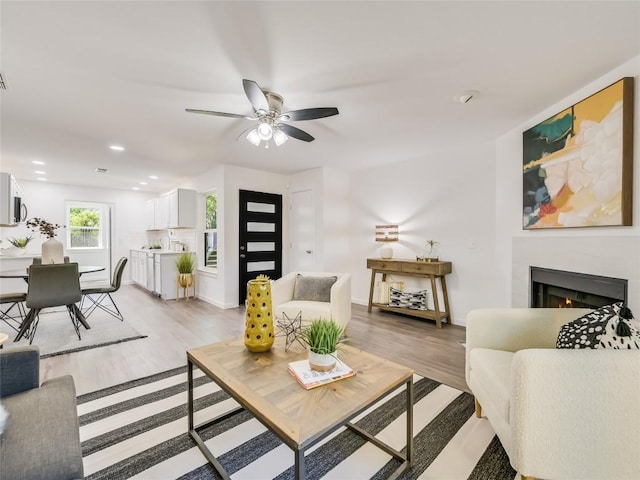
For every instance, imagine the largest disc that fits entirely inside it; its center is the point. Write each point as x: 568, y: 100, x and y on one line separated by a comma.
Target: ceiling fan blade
x: 255, y: 95
x: 219, y: 114
x: 309, y: 114
x: 295, y: 132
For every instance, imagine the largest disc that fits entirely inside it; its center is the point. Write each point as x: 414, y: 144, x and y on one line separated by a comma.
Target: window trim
x: 203, y: 266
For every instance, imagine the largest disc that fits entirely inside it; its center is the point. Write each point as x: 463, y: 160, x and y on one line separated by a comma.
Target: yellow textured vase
x: 258, y: 332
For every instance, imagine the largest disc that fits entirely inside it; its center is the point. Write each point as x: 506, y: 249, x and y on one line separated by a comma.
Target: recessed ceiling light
x: 143, y: 183
x: 117, y: 148
x: 39, y: 172
x: 102, y: 170
x: 42, y: 179
x: 38, y: 162
x: 136, y: 188
x: 153, y: 177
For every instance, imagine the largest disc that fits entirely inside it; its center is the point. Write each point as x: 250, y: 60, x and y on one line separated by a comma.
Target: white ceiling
x: 84, y: 75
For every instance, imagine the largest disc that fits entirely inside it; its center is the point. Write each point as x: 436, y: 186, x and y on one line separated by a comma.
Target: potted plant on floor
x: 185, y: 264
x: 322, y: 338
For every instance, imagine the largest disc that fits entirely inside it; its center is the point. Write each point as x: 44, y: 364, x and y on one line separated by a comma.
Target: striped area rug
x: 139, y: 430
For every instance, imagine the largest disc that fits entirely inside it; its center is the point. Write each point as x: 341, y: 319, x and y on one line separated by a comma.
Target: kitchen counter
x: 158, y: 251
x: 155, y: 270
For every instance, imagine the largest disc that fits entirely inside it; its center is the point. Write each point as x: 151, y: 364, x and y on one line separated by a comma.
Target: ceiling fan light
x: 253, y: 137
x: 265, y: 132
x: 279, y: 137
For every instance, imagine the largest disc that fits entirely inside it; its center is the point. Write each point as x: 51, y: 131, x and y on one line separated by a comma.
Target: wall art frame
x: 578, y: 164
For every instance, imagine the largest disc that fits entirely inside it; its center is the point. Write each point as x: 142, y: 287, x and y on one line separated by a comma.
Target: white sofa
x: 559, y: 413
x: 337, y: 309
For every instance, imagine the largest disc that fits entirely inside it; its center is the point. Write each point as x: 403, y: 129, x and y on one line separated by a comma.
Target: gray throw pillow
x: 314, y: 289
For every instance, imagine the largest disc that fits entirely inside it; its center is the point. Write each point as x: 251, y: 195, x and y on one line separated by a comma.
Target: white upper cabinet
x: 178, y: 209
x: 154, y: 214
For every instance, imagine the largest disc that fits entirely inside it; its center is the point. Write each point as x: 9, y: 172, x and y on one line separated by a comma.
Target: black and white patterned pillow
x: 413, y: 300
x: 606, y: 327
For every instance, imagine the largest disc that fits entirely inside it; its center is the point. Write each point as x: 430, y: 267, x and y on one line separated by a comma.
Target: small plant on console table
x: 322, y: 338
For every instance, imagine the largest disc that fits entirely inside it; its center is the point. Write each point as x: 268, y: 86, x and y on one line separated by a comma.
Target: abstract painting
x: 578, y: 164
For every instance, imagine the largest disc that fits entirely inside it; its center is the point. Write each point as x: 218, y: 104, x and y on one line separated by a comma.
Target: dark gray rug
x: 139, y: 429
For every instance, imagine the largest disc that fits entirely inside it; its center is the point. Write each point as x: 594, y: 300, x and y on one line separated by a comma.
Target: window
x: 84, y: 226
x: 211, y: 231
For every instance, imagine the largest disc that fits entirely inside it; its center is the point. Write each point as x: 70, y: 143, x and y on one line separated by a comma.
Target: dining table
x: 24, y: 274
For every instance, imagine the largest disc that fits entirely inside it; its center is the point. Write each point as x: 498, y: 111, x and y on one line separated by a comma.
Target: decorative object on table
x: 291, y: 329
x: 413, y: 300
x: 310, y: 378
x: 18, y: 246
x: 52, y: 249
x: 258, y: 333
x: 185, y: 263
x: 322, y: 338
x: 384, y: 290
x: 430, y: 251
x: 578, y: 164
x: 386, y: 233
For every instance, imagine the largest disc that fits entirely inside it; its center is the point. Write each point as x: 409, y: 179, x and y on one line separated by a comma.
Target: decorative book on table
x: 309, y: 378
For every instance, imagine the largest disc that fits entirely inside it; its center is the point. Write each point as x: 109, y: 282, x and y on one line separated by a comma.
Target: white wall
x: 608, y: 251
x: 447, y: 197
x: 222, y: 289
x: 47, y: 200
x: 330, y: 193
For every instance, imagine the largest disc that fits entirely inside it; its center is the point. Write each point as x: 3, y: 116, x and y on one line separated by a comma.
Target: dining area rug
x: 55, y: 334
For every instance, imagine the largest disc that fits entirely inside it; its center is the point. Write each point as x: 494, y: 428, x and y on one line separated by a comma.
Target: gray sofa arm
x: 19, y: 370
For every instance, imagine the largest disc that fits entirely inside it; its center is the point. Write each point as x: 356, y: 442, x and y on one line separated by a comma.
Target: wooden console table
x: 413, y: 268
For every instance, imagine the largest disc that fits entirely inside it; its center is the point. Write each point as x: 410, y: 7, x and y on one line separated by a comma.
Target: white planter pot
x: 322, y: 362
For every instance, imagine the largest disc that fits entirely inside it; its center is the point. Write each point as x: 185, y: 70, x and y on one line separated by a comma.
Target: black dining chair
x: 10, y: 301
x: 52, y: 285
x: 98, y: 296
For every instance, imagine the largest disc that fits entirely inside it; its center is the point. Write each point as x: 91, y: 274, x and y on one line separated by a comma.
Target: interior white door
x: 302, y: 248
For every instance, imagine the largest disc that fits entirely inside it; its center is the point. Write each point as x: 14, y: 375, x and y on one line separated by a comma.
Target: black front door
x: 260, y: 238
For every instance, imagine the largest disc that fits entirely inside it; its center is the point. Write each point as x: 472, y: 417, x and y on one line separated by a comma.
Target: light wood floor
x: 173, y: 327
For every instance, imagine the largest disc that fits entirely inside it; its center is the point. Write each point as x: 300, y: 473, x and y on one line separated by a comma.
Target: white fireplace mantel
x: 611, y: 256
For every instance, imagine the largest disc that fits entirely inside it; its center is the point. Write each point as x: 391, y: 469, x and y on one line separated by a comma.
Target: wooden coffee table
x: 260, y: 383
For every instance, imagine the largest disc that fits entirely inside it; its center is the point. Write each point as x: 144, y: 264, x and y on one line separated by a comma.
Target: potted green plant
x: 18, y: 245
x: 185, y: 263
x: 322, y: 338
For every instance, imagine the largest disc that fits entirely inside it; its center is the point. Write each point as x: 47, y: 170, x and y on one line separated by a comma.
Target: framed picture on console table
x: 578, y: 164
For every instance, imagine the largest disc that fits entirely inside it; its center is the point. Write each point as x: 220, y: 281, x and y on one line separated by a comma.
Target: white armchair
x: 338, y: 308
x: 559, y: 413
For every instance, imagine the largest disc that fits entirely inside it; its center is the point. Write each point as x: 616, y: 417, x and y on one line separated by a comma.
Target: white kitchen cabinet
x: 154, y: 214
x: 139, y: 267
x: 178, y: 209
x: 166, y: 275
x: 151, y: 222
x: 133, y: 254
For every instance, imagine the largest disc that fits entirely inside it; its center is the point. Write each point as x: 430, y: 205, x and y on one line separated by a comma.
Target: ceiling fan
x: 267, y: 111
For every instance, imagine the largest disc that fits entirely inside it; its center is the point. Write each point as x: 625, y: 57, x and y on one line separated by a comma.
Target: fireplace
x: 560, y: 289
